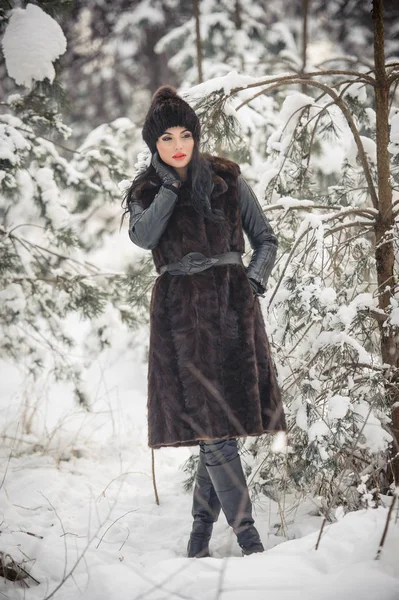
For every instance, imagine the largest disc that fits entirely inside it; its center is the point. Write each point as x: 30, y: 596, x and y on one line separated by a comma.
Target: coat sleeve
x: 260, y: 234
x: 147, y: 225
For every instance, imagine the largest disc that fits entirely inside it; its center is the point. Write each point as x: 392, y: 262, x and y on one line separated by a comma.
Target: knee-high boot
x: 205, y: 511
x: 231, y: 488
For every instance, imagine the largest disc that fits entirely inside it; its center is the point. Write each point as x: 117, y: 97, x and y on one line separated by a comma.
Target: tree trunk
x: 384, y: 252
x: 238, y: 23
x: 305, y: 12
x: 198, y: 40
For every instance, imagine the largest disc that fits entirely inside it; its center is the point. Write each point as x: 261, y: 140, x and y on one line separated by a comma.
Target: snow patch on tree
x: 393, y: 145
x: 338, y: 407
x: 12, y: 142
x: 375, y: 438
x: 31, y: 43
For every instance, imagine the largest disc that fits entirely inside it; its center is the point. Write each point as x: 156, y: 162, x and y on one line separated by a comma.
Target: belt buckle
x: 195, y: 262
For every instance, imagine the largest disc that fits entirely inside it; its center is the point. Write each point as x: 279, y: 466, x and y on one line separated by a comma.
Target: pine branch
x: 345, y: 111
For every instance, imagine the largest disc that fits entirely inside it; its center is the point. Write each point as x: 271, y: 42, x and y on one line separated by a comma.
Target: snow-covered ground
x: 96, y: 517
x: 77, y: 504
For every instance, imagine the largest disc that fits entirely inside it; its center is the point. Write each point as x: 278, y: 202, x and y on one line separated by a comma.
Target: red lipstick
x: 179, y: 156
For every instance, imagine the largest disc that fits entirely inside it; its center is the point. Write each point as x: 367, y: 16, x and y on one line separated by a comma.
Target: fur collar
x: 221, y: 167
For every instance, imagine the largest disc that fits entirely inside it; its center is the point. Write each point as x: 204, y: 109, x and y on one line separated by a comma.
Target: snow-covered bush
x: 324, y: 309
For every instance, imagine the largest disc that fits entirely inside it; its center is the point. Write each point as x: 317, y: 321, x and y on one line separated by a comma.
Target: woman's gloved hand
x: 167, y: 174
x: 258, y: 291
x: 253, y: 285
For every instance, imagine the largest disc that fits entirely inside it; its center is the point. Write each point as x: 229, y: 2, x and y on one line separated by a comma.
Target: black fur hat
x: 168, y: 110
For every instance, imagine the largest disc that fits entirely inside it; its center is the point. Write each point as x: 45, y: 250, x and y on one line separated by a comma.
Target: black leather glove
x: 257, y: 288
x: 167, y: 174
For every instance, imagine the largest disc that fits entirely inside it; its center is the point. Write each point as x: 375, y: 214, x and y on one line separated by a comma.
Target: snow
x: 11, y: 143
x: 226, y: 84
x: 338, y: 406
x: 301, y: 419
x: 293, y: 104
x: 370, y: 149
x: 356, y: 91
x: 290, y: 114
x: 174, y: 35
x: 287, y: 202
x: 13, y: 298
x: 57, y: 213
x: 327, y: 297
x: 394, y: 316
x: 393, y: 146
x: 279, y: 442
x: 144, y: 12
x: 102, y: 504
x: 31, y: 42
x: 340, y: 337
x: 376, y: 438
x: 371, y: 116
x: 318, y: 431
x: 279, y: 32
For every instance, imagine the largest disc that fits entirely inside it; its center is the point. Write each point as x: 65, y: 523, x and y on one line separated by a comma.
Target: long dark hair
x: 199, y: 175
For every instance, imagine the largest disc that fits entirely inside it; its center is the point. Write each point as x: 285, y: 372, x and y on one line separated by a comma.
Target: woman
x: 211, y: 378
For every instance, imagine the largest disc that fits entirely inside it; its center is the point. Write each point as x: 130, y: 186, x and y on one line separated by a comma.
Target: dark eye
x: 188, y: 135
x: 166, y: 139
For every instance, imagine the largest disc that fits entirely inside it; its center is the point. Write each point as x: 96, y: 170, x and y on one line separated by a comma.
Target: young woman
x: 211, y: 377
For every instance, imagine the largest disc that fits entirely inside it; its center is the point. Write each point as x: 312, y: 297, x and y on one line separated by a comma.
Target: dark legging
x: 218, y: 452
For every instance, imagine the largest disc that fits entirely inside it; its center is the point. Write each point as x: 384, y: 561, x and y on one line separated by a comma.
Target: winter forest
x: 304, y: 95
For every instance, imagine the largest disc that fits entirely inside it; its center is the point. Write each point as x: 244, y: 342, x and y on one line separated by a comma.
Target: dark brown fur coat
x: 210, y: 372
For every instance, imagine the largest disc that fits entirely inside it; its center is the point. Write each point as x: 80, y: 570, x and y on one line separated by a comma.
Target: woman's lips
x: 179, y: 156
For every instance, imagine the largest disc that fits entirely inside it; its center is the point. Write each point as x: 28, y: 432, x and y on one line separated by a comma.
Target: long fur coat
x: 210, y: 371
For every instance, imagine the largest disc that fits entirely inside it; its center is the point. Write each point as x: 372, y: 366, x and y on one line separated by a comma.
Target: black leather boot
x: 205, y: 511
x: 231, y: 488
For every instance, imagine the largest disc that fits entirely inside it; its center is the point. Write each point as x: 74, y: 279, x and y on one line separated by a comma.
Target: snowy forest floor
x: 77, y: 505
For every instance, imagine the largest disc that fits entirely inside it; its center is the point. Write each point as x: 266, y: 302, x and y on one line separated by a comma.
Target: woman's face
x: 175, y: 147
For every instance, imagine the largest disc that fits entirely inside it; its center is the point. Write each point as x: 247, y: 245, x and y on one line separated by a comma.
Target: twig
x: 63, y: 531
x: 40, y: 537
x: 160, y: 586
x: 153, y: 476
x: 113, y: 523
x: 121, y: 475
x: 125, y: 540
x: 13, y: 570
x: 385, y: 532
x: 9, y: 458
x: 28, y: 574
x: 70, y: 574
x: 85, y: 264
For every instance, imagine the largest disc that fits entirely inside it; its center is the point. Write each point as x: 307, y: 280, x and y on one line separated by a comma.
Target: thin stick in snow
x: 113, y: 523
x: 385, y: 532
x: 153, y: 476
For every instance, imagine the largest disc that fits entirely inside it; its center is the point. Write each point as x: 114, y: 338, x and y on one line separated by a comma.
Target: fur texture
x: 210, y: 371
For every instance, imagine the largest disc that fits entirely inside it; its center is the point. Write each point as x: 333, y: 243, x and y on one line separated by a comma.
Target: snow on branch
x: 31, y: 43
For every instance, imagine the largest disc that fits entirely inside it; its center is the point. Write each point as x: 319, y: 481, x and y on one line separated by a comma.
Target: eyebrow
x: 184, y: 130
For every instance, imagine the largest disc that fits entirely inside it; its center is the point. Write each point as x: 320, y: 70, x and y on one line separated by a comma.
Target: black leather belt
x: 195, y: 262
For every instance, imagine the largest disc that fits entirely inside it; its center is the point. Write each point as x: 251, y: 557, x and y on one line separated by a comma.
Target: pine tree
x: 56, y: 212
